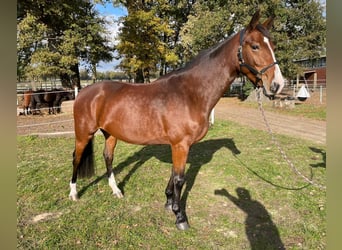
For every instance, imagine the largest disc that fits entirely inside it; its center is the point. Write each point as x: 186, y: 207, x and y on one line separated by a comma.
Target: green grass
x: 317, y: 112
x: 274, y: 205
x: 309, y: 111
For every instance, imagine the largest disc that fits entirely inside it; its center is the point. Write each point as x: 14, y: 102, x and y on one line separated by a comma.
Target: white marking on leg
x: 112, y: 184
x: 73, y: 192
x: 278, y: 77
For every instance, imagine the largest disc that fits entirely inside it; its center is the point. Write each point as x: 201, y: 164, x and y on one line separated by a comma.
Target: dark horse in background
x: 172, y: 110
x: 52, y: 98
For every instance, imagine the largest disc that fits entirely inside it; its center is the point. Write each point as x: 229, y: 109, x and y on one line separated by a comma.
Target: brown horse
x: 52, y: 98
x: 49, y: 98
x: 27, y: 102
x: 172, y: 110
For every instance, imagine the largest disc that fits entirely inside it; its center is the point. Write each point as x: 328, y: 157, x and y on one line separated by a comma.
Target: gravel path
x: 227, y: 108
x: 300, y: 127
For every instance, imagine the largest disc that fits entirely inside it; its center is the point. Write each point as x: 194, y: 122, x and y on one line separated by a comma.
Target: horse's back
x: 94, y: 91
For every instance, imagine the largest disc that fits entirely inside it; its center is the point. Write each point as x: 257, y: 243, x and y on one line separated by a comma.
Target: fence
x: 23, y: 86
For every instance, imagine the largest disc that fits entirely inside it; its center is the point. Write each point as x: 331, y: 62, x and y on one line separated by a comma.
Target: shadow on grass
x: 94, y: 182
x: 272, y: 183
x: 324, y: 158
x: 199, y: 154
x: 261, y: 232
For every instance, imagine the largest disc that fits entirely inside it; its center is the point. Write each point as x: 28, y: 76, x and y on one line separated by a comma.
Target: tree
x: 140, y: 42
x: 300, y: 33
x: 165, y: 34
x: 299, y: 28
x: 54, y: 36
x: 149, y: 36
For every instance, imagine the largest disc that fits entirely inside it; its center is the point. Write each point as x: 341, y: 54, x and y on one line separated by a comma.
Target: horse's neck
x: 215, y: 74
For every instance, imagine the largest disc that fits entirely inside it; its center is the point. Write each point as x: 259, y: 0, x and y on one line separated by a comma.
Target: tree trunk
x: 147, y: 75
x: 75, y: 77
x: 94, y: 73
x: 74, y: 80
x: 139, y: 76
x: 65, y: 80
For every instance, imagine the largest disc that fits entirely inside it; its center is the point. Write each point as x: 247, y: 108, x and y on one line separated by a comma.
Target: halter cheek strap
x: 254, y: 71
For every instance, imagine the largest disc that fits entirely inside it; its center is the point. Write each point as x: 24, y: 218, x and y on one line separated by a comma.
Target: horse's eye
x: 255, y: 47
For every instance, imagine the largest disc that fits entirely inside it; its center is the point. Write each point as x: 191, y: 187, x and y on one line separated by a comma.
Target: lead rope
x: 276, y: 142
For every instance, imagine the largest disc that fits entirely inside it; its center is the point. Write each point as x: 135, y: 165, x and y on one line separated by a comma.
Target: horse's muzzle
x: 275, y: 88
x: 270, y: 96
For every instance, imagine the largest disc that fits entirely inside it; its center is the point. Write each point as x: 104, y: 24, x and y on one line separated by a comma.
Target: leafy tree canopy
x: 161, y: 34
x: 53, y: 37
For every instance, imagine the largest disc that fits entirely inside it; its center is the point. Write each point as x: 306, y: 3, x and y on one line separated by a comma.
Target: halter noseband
x: 255, y: 72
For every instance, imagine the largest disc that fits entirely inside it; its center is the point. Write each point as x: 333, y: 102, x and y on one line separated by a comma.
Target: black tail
x: 86, y: 168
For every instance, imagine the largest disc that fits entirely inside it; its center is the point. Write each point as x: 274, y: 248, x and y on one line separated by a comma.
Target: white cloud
x: 111, y: 15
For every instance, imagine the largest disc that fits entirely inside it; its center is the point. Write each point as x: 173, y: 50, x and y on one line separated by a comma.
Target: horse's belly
x: 137, y: 132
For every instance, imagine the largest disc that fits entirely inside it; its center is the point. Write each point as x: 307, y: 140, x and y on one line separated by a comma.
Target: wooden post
x: 212, y: 117
x: 76, y: 91
x: 315, y: 81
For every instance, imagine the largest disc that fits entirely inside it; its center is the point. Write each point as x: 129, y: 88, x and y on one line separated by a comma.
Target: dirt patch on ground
x: 45, y: 124
x: 300, y: 127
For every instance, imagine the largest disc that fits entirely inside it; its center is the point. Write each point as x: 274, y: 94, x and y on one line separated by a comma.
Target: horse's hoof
x: 183, y: 225
x: 119, y: 194
x: 168, y: 207
x: 73, y: 197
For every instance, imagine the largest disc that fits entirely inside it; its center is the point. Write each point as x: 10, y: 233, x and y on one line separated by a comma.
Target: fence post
x: 212, y: 117
x: 76, y: 91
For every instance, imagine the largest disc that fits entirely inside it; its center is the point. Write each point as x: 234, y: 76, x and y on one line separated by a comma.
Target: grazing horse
x: 62, y: 95
x: 49, y: 98
x: 37, y: 100
x: 53, y: 98
x: 172, y: 110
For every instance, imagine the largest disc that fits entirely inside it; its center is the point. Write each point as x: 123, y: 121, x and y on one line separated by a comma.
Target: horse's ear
x: 255, y: 20
x: 269, y: 23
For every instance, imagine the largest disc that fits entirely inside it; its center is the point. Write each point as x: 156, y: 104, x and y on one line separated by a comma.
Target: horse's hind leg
x: 108, y: 154
x: 83, y: 163
x: 77, y: 154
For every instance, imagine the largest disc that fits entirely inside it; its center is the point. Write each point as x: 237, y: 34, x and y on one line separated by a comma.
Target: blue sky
x: 109, y: 9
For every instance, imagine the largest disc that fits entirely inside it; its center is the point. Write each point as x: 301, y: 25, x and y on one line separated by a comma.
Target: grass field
x: 239, y: 194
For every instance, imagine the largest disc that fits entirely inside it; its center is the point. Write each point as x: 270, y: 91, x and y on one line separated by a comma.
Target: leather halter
x: 258, y: 74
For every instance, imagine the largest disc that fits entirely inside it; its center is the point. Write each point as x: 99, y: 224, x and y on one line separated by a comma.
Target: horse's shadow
x: 260, y: 230
x: 199, y: 154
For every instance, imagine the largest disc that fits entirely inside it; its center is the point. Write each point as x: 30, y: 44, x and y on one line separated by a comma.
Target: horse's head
x: 257, y: 59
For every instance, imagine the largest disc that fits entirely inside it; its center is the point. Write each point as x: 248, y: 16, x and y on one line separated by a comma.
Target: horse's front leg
x: 169, y: 193
x: 179, y: 157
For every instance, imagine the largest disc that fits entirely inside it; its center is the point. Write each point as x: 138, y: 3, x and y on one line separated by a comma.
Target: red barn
x: 314, y: 73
